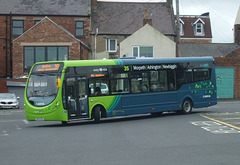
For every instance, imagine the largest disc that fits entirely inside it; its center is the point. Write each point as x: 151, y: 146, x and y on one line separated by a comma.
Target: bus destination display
x: 47, y: 67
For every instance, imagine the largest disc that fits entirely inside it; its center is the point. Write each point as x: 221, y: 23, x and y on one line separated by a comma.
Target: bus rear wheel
x: 97, y: 114
x: 187, y: 106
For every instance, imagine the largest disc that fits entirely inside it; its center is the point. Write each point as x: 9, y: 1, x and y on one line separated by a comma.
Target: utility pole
x: 178, y: 43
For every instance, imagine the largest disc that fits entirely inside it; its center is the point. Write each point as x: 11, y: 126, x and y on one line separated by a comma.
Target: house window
x: 111, y: 45
x: 33, y: 54
x: 181, y: 31
x: 199, y: 29
x: 142, y: 51
x: 79, y: 28
x: 17, y: 27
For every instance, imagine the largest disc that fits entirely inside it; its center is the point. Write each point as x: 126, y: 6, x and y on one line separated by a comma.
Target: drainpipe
x: 11, y: 56
x: 95, y: 46
x: 6, y: 49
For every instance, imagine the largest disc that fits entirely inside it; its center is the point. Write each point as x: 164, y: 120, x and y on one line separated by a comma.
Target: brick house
x: 195, y: 28
x: 16, y: 17
x: 45, y: 41
x: 18, y: 22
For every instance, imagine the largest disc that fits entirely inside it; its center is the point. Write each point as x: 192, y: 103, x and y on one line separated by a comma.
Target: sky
x: 223, y: 14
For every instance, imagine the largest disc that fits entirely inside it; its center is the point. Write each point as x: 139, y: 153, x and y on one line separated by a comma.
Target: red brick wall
x: 67, y: 22
x: 45, y: 32
x: 4, y: 49
x: 231, y: 62
x: 196, y: 40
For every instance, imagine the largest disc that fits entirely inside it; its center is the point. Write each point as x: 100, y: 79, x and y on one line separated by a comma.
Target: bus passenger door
x: 71, y: 97
x: 82, y: 93
x: 71, y: 93
x: 76, y: 90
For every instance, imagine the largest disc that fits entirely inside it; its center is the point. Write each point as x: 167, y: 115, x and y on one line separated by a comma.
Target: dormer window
x: 181, y: 29
x: 199, y: 28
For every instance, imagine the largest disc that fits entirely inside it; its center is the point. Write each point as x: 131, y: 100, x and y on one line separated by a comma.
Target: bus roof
x: 128, y: 61
x: 164, y: 60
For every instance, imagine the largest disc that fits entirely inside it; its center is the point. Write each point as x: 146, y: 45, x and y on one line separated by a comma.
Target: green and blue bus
x: 94, y: 89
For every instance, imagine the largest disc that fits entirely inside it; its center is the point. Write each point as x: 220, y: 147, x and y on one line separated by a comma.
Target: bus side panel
x: 149, y: 103
x: 110, y: 103
x: 203, y: 94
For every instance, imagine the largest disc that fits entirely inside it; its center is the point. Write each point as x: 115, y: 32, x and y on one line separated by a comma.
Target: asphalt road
x: 209, y: 136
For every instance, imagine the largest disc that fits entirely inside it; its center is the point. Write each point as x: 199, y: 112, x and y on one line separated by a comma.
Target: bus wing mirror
x: 58, y: 82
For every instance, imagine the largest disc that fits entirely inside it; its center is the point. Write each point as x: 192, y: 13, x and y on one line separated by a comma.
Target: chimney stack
x: 94, y: 3
x: 145, y: 18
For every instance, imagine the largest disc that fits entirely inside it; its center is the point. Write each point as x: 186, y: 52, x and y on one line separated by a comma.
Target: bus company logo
x: 100, y: 70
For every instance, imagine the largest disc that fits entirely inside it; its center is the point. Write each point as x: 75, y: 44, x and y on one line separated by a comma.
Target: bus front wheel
x: 187, y: 106
x: 97, y: 114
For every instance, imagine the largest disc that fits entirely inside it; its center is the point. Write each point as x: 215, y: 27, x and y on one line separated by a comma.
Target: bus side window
x: 158, y: 80
x: 139, y: 80
x: 188, y: 78
x: 119, y: 83
x: 201, y: 74
x: 171, y: 80
x: 98, y: 86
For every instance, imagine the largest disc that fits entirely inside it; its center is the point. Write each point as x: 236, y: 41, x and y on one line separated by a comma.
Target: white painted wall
x: 148, y: 36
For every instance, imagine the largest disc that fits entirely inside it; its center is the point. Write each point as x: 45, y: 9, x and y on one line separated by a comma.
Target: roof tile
x: 126, y: 17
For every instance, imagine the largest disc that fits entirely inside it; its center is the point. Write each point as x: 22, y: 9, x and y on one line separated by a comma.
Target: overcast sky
x: 223, y: 14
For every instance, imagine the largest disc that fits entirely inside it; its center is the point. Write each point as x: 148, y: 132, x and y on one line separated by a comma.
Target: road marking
x: 5, y: 133
x: 224, y: 123
x: 234, y: 118
x: 25, y: 121
x: 215, y: 127
x: 224, y: 114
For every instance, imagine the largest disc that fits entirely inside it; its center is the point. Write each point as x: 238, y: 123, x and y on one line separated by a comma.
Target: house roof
x: 60, y: 27
x: 45, y: 7
x: 127, y: 17
x: 189, y: 21
x: 206, y: 49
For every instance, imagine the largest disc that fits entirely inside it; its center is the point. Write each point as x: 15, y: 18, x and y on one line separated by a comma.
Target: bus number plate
x: 39, y: 119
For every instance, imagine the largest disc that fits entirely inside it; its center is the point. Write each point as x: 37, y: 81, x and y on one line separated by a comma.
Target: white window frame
x: 181, y: 27
x: 196, y: 27
x: 199, y: 26
x: 108, y: 45
x: 138, y: 48
x: 181, y: 31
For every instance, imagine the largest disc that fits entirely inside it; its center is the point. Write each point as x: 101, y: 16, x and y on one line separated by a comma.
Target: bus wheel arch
x: 187, y: 106
x: 98, y: 112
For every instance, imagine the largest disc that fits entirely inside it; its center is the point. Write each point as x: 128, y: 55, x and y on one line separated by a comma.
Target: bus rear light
x: 153, y: 109
x: 122, y: 111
